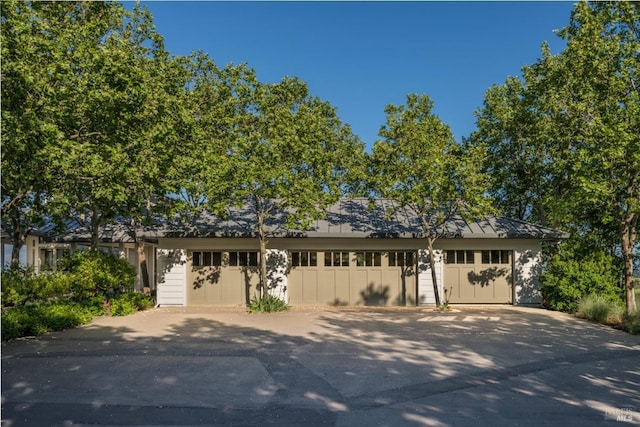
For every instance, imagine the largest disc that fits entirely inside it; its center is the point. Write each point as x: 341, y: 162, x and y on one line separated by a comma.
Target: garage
x: 374, y: 278
x: 478, y: 276
x: 221, y: 277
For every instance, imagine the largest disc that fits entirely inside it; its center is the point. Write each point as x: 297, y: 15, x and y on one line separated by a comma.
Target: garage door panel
x: 309, y: 286
x: 478, y: 276
x: 340, y: 281
x: 326, y: 290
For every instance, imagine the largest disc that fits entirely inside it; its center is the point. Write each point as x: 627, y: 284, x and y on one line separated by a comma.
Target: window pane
x: 451, y: 257
x: 359, y: 259
x: 368, y: 259
x: 392, y: 259
x: 206, y: 258
x: 217, y: 259
x: 504, y: 257
x: 313, y: 259
x: 253, y: 259
x: 304, y: 258
x: 377, y: 259
x: 345, y: 259
x: 470, y: 257
x: 410, y: 261
x: 196, y: 259
x: 328, y: 259
x: 495, y: 257
x: 295, y: 259
x: 233, y: 259
x: 459, y: 257
x: 486, y: 259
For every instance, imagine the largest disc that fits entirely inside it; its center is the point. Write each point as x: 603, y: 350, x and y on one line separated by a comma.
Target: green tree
x: 284, y: 151
x: 109, y: 111
x: 31, y: 77
x: 572, y: 123
x: 421, y: 167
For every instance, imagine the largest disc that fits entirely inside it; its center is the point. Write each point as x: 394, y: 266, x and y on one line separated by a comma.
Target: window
x: 368, y: 259
x: 460, y: 257
x: 243, y: 259
x: 304, y: 259
x: 206, y: 259
x: 401, y: 259
x: 495, y: 257
x: 336, y: 259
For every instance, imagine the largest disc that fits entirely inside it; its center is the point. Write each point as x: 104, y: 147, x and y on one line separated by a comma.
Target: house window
x: 243, y: 259
x: 368, y: 259
x: 336, y: 259
x: 46, y: 255
x: 460, y: 257
x: 304, y: 259
x: 401, y: 259
x: 495, y: 257
x: 206, y: 259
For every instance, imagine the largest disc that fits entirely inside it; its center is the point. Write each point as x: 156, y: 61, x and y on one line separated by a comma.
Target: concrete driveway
x: 337, y: 367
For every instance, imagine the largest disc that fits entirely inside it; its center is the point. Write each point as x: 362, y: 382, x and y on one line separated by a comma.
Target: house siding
x: 426, y: 295
x: 171, y: 280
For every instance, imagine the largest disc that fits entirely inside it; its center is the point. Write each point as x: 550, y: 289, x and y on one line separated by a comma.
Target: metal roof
x: 348, y: 218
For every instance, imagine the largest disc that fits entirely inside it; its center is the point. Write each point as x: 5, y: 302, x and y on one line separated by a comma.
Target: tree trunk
x: 432, y: 266
x: 628, y: 234
x: 17, y: 239
x: 263, y: 256
x: 95, y: 230
x: 144, y: 272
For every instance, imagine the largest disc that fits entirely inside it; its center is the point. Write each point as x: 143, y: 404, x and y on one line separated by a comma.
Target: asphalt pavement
x: 199, y: 366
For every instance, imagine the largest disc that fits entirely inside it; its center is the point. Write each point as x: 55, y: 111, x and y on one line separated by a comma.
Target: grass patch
x: 600, y: 309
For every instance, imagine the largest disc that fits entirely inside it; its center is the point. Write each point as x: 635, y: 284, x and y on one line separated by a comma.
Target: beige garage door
x: 375, y: 278
x: 221, y: 277
x: 478, y: 276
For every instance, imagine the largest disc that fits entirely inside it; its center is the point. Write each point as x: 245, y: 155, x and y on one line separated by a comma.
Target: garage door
x: 373, y: 278
x: 478, y: 276
x: 221, y: 277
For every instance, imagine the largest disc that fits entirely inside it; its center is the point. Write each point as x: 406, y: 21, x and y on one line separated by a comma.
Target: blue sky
x: 361, y: 56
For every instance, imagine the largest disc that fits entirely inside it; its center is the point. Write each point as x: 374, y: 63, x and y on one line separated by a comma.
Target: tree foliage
x: 89, y: 111
x: 271, y: 147
x: 420, y: 166
x: 564, y: 140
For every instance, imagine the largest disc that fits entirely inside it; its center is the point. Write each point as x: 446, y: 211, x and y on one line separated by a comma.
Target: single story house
x: 353, y: 256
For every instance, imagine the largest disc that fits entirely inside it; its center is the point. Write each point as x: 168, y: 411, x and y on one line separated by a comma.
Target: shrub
x: 267, y: 305
x: 93, y: 273
x: 599, y: 308
x: 631, y: 323
x: 21, y: 286
x: 578, y: 269
x: 129, y: 303
x: 32, y: 320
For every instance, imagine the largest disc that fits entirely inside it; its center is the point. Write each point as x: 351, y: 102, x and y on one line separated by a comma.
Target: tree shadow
x: 374, y: 295
x: 487, y: 276
x: 337, y: 367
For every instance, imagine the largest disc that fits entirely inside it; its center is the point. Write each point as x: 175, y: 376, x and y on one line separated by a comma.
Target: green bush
x: 93, y: 273
x: 32, y: 320
x: 129, y: 303
x: 631, y: 323
x: 267, y: 305
x: 579, y: 268
x: 21, y: 286
x: 599, y: 308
